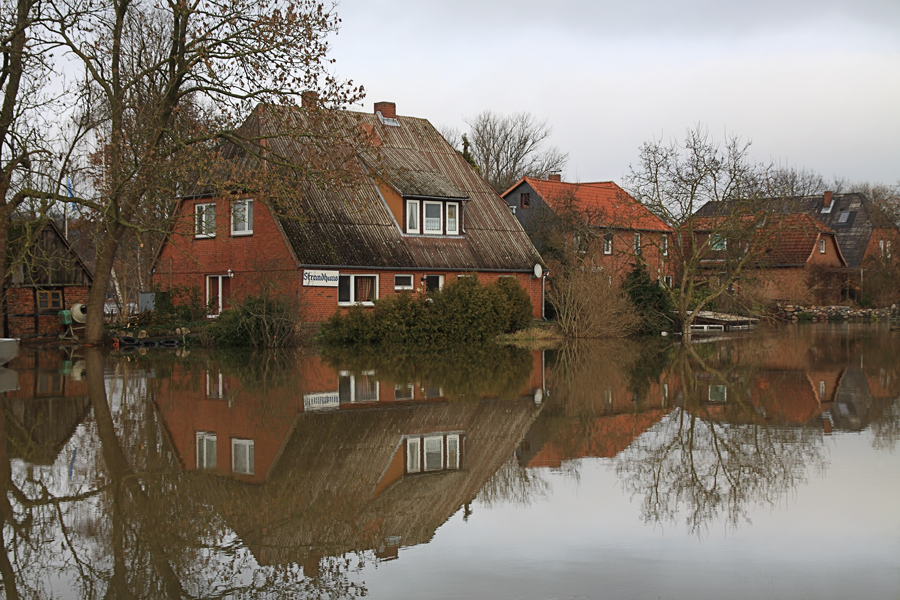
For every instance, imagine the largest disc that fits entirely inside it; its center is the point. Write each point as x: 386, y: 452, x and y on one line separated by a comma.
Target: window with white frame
x: 607, y: 243
x: 821, y: 246
x: 432, y: 452
x: 821, y: 391
x: 452, y: 218
x: 887, y: 249
x: 413, y: 464
x: 205, y: 220
x: 453, y: 452
x: 242, y: 456
x: 412, y: 216
x: 242, y: 217
x: 357, y: 388
x: 881, y: 247
x: 404, y: 391
x: 206, y: 450
x: 434, y: 217
x: 718, y: 393
x: 403, y: 282
x: 357, y: 289
x: 664, y: 245
x: 668, y: 280
x: 637, y: 244
x: 718, y: 243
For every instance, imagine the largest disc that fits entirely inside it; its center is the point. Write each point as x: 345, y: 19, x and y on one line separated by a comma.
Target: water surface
x: 759, y: 466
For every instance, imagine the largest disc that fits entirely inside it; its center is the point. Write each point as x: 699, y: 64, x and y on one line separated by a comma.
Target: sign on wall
x: 314, y: 278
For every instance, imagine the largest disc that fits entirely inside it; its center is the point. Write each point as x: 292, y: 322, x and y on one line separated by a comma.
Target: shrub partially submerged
x: 259, y: 321
x: 463, y: 312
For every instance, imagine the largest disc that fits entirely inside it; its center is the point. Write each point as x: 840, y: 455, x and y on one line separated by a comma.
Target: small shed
x: 47, y: 276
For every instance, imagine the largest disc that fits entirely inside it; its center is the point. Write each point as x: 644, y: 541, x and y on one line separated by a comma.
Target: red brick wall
x: 263, y: 258
x: 22, y: 311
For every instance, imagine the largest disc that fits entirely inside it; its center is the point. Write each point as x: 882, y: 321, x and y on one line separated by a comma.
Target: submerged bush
x: 650, y: 299
x: 259, y: 321
x: 463, y: 312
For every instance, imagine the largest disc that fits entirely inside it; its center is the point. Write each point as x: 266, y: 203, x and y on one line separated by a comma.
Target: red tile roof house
x: 788, y: 257
x: 416, y: 218
x: 609, y: 228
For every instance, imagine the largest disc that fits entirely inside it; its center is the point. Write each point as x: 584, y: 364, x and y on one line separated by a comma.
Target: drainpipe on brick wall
x: 543, y: 295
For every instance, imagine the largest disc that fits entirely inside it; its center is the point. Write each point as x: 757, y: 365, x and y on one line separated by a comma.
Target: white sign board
x: 314, y: 278
x: 325, y: 401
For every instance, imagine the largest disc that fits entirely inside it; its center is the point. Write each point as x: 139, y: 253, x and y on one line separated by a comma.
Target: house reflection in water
x: 329, y: 461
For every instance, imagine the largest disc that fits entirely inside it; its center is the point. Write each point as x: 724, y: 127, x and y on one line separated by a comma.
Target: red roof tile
x: 604, y: 201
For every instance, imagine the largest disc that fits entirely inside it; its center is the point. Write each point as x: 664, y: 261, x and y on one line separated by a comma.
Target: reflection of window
x: 404, y: 391
x: 242, y: 217
x: 49, y: 383
x: 357, y: 388
x: 412, y: 455
x: 433, y: 452
x: 205, y: 220
x: 357, y: 289
x: 242, y: 456
x: 206, y: 450
x: 403, y: 282
x: 216, y: 387
x: 608, y: 396
x: 50, y: 300
x: 718, y: 393
x: 821, y: 390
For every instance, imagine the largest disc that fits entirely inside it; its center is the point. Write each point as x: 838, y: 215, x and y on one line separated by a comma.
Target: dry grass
x: 539, y: 336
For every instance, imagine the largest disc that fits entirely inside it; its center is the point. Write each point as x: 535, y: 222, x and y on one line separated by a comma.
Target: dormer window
x: 433, y: 217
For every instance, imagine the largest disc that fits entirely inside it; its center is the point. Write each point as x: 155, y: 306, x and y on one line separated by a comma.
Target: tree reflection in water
x: 720, y: 452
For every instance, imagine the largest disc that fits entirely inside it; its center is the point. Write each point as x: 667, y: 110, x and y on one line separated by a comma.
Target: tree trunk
x: 94, y: 327
x: 4, y: 265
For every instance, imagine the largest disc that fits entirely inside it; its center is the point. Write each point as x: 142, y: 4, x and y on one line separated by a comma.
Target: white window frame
x: 821, y: 391
x: 607, y: 243
x: 425, y: 230
x: 667, y: 280
x: 215, y: 385
x: 412, y: 208
x: 245, y: 469
x: 454, y: 438
x: 200, y: 225
x: 203, y: 461
x: 887, y: 251
x: 440, y: 442
x: 220, y: 285
x: 414, y: 455
x: 248, y: 217
x: 455, y: 206
x: 398, y: 286
x: 353, y: 277
x: 665, y: 244
x: 821, y: 246
x: 637, y: 243
x: 718, y: 243
x: 404, y: 391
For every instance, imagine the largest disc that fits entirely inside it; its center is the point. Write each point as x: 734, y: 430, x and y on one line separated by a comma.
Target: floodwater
x: 759, y: 466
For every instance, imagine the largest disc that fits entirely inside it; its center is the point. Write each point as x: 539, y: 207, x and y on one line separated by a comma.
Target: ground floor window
x: 218, y: 290
x: 403, y: 282
x: 434, y: 282
x: 242, y: 456
x: 206, y: 450
x: 357, y: 289
x: 50, y: 300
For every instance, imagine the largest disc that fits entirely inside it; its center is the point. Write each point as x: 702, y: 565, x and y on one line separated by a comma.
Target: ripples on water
x: 750, y: 467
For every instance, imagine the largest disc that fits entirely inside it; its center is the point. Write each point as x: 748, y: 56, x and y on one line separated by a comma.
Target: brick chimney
x: 388, y: 110
x: 827, y: 200
x: 554, y: 177
x: 309, y: 99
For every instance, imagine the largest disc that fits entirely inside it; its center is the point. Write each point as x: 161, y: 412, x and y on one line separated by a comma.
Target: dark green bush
x: 258, y: 321
x: 650, y: 299
x: 463, y: 312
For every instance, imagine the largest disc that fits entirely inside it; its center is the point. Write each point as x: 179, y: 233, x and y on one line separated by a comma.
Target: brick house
x: 47, y: 277
x: 782, y: 257
x: 415, y: 217
x: 598, y: 221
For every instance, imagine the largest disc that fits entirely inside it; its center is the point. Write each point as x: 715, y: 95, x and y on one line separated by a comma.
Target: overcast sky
x: 812, y: 84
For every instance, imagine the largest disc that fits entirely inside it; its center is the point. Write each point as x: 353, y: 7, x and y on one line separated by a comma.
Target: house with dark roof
x: 411, y: 214
x: 599, y: 221
x: 867, y: 237
x: 782, y: 257
x: 47, y: 277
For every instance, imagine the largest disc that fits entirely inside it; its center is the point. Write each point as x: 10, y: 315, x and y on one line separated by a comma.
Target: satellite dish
x: 538, y: 271
x: 79, y: 313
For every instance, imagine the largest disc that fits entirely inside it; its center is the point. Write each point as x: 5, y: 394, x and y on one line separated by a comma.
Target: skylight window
x: 844, y: 216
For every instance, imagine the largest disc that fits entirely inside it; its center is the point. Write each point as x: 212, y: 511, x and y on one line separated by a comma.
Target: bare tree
x: 165, y: 85
x: 674, y: 181
x: 506, y: 148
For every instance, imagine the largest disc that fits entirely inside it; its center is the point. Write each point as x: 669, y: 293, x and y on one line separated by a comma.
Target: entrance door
x: 218, y: 289
x: 434, y: 282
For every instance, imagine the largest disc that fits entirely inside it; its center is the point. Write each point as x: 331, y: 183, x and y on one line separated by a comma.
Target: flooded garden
x: 760, y: 465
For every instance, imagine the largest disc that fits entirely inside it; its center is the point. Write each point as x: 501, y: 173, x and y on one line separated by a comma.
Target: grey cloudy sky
x: 812, y: 84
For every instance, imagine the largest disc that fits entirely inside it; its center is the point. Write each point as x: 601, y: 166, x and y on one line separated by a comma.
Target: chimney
x: 827, y: 201
x: 554, y: 177
x: 388, y: 110
x: 309, y: 99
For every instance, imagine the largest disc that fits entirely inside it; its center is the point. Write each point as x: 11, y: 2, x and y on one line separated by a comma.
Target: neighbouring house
x: 599, y: 221
x: 780, y: 257
x: 867, y: 237
x: 411, y: 215
x: 47, y: 277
